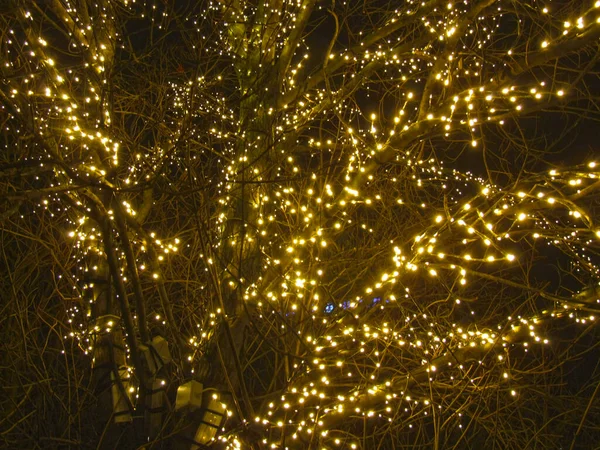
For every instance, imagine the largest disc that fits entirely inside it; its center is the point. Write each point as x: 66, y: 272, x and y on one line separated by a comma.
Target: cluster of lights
x: 285, y: 199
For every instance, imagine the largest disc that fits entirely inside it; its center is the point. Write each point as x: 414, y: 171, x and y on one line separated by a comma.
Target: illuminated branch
x: 288, y: 51
x: 140, y: 305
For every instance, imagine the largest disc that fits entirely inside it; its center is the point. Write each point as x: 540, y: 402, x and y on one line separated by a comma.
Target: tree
x: 357, y: 224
